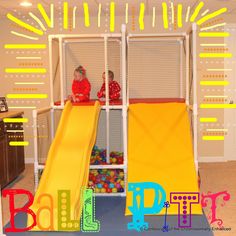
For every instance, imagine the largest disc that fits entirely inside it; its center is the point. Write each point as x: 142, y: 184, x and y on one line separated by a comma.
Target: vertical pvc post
x: 127, y: 76
x: 187, y: 69
x: 107, y: 100
x: 124, y: 101
x: 36, y: 164
x: 52, y: 123
x: 61, y: 70
x: 181, y: 69
x: 64, y: 67
x: 195, y: 102
x: 51, y: 70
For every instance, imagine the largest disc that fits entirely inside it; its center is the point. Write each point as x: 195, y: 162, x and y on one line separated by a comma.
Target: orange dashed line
x: 212, y: 22
x: 30, y: 64
x: 216, y: 49
x: 25, y: 89
x: 220, y: 76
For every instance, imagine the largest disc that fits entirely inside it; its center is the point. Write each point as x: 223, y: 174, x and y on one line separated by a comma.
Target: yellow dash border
x: 213, y: 138
x: 215, y: 55
x: 214, y: 34
x: 218, y: 106
x: 214, y: 83
x: 25, y: 143
x: 25, y: 46
x: 26, y: 70
x: 25, y: 96
x: 15, y: 120
x: 208, y: 119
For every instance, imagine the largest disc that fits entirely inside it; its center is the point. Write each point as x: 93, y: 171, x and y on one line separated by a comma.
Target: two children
x: 81, y: 87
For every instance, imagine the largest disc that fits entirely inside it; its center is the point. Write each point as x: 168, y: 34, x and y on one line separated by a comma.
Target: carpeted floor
x: 215, y: 177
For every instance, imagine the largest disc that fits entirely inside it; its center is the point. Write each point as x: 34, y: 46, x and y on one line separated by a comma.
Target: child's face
x: 104, y: 78
x: 77, y: 76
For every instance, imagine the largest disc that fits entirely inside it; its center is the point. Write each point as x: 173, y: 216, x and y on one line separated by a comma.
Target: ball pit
x: 106, y: 180
x: 98, y: 157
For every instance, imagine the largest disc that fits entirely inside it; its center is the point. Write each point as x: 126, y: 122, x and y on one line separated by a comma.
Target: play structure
x: 156, y: 120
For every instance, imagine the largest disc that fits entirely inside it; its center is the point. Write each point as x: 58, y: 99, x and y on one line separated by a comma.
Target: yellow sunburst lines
x: 141, y: 16
x: 213, y: 26
x: 74, y: 17
x: 86, y: 14
x: 99, y: 15
x: 24, y: 36
x: 196, y: 11
x: 24, y: 25
x: 187, y: 14
x: 38, y: 21
x: 65, y: 15
x: 205, y: 12
x: 153, y: 17
x: 112, y: 16
x: 179, y: 21
x: 49, y: 21
x: 165, y: 15
x: 211, y: 15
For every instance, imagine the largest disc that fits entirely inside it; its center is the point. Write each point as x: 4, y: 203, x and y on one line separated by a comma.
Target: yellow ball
x: 97, y: 190
x: 114, y: 190
x: 122, y: 183
x: 121, y: 174
x: 112, y: 173
x: 103, y: 190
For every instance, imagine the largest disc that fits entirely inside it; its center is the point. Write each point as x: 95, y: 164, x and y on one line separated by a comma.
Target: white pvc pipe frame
x: 124, y: 106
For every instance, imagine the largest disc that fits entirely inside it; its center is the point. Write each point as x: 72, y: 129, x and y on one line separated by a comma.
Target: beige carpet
x: 214, y: 178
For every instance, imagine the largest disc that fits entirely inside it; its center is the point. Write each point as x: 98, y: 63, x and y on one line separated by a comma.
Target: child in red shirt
x: 80, y: 87
x: 114, y: 87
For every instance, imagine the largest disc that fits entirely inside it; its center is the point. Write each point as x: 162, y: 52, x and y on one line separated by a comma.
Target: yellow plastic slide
x: 67, y: 166
x: 160, y: 151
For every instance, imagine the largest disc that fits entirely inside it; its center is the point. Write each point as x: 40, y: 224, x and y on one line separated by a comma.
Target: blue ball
x: 99, y: 185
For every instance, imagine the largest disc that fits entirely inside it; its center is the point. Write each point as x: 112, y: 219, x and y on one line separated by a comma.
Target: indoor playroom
x: 117, y: 117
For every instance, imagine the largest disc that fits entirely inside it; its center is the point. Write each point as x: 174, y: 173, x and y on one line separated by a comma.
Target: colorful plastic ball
x: 97, y: 190
x: 99, y: 186
x: 109, y: 190
x: 105, y: 185
x: 121, y: 174
x: 112, y: 173
x: 103, y: 190
x: 118, y: 185
x: 111, y: 185
x: 114, y: 190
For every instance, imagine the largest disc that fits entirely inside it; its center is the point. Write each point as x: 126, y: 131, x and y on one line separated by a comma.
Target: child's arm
x: 101, y: 93
x: 115, y: 91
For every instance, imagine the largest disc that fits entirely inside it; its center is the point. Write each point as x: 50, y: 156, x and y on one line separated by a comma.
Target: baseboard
x: 211, y: 159
x: 29, y: 160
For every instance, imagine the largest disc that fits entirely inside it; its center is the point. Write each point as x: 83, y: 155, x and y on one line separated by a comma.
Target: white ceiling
x: 14, y: 5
